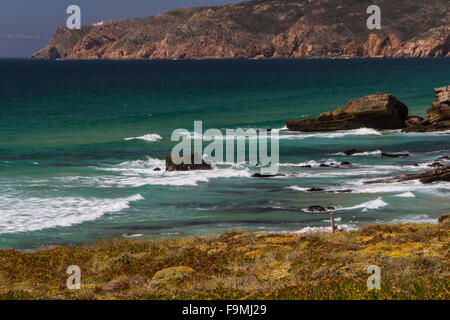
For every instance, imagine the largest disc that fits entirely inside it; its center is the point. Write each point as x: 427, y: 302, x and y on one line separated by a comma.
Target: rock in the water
x: 157, y: 169
x: 353, y: 151
x: 315, y: 190
x: 436, y: 165
x: 438, y: 116
x: 346, y: 163
x: 394, y: 155
x: 378, y: 111
x: 319, y: 209
x: 259, y: 175
x: 444, y: 158
x: 197, y: 163
x: 439, y: 174
x: 444, y: 218
x: 341, y: 191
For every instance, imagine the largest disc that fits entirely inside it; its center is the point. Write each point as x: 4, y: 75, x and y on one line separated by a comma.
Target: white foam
x: 297, y: 188
x: 369, y: 205
x: 151, y: 137
x: 405, y: 186
x: 366, y: 153
x: 136, y: 177
x: 31, y: 214
x: 334, y: 134
x: 134, y: 235
x: 405, y: 195
x: 418, y: 218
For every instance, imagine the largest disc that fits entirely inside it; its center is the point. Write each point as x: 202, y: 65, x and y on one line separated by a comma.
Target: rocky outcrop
x: 439, y: 174
x: 318, y: 208
x: 378, y: 111
x: 265, y: 29
x: 442, y: 173
x: 196, y: 163
x: 438, y: 116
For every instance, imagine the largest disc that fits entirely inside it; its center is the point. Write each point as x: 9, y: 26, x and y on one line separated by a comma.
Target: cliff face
x: 265, y: 29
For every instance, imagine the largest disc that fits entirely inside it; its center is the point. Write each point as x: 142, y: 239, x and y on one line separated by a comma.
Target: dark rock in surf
x: 353, y: 151
x: 259, y: 175
x: 318, y: 208
x: 196, y: 163
x: 315, y: 190
x: 394, y: 155
x: 436, y: 165
x: 157, y: 169
x: 341, y: 191
x: 346, y: 163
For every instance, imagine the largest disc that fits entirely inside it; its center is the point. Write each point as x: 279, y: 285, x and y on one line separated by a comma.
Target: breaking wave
x: 31, y: 214
x: 151, y: 137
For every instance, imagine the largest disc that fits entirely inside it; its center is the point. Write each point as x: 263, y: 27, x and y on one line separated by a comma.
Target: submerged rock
x: 259, y: 175
x: 315, y: 190
x: 378, y: 111
x: 353, y: 151
x: 197, y: 163
x: 394, y: 155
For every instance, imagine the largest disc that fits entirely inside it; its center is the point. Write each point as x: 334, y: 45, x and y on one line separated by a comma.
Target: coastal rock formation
x: 197, y: 163
x: 378, y: 111
x: 264, y: 29
x: 439, y: 174
x: 438, y: 116
x: 442, y: 173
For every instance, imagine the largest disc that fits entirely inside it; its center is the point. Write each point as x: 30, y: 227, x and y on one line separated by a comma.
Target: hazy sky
x: 27, y: 25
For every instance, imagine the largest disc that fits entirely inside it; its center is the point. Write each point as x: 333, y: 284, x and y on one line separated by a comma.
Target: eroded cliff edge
x: 265, y: 29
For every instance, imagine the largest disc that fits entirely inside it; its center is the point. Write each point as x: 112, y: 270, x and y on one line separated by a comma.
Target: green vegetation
x: 414, y: 262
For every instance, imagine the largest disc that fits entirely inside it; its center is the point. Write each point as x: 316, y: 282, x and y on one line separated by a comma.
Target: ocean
x: 79, y: 142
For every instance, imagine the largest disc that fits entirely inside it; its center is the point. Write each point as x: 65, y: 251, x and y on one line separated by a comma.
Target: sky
x: 27, y: 25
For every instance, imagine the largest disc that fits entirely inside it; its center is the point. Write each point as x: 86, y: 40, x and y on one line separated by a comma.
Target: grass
x: 414, y: 262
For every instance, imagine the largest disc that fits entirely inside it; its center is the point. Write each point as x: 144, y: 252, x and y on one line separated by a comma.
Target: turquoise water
x: 70, y: 171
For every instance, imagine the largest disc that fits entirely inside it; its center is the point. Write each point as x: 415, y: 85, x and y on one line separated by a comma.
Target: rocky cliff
x: 265, y: 29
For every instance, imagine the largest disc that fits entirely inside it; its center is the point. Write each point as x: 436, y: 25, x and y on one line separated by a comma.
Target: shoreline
x: 413, y: 259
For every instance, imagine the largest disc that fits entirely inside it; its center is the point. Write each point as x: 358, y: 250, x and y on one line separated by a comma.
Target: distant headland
x: 264, y: 29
